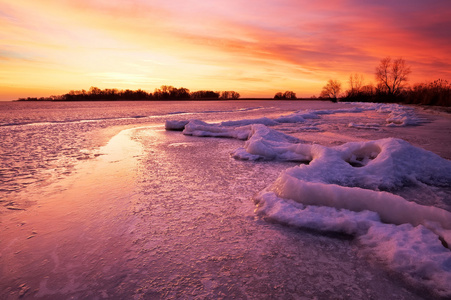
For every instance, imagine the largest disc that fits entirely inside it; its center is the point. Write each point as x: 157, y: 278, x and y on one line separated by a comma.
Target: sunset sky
x: 257, y: 48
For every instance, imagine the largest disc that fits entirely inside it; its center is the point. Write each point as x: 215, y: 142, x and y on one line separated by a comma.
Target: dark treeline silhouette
x: 165, y: 92
x: 436, y: 93
x: 288, y: 95
x: 391, y: 87
x: 229, y: 95
x: 432, y: 93
x: 205, y: 95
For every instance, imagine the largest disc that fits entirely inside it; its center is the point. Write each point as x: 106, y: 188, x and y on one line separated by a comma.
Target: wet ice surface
x: 354, y: 188
x: 42, y: 141
x: 161, y: 215
x: 202, y: 240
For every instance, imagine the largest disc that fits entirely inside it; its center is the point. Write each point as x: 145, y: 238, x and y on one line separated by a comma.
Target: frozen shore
x: 164, y: 215
x: 355, y: 188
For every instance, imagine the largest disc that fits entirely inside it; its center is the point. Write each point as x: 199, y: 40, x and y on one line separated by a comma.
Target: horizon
x: 257, y: 49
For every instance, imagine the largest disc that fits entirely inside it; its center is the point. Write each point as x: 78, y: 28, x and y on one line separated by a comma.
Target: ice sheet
x: 353, y: 188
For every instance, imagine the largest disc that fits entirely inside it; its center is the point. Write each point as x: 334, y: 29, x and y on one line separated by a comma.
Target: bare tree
x: 229, y: 95
x: 392, y: 75
x: 331, y: 90
x: 355, y: 84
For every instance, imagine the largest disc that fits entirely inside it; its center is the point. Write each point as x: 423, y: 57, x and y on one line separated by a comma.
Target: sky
x: 254, y: 47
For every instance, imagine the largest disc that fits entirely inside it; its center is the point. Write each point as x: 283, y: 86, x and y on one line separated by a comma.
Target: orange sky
x: 254, y: 47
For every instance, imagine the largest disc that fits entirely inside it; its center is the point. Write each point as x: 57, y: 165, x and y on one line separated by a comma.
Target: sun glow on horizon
x: 51, y: 47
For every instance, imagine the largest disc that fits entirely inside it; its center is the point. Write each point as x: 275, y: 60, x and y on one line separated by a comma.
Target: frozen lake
x: 98, y: 201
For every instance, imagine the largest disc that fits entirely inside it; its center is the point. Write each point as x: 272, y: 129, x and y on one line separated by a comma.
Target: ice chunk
x: 266, y: 143
x: 175, y: 125
x: 322, y: 218
x: 200, y: 128
x: 391, y: 208
x: 383, y: 164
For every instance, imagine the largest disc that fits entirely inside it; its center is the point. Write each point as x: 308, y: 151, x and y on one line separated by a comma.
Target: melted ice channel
x: 354, y: 189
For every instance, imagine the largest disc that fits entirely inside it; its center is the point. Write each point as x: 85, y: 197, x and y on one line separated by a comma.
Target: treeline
x: 391, y: 86
x: 165, y: 92
x: 436, y: 93
x: 288, y: 95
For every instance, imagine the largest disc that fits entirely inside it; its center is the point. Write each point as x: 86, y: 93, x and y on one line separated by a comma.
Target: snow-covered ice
x: 154, y: 213
x: 354, y: 188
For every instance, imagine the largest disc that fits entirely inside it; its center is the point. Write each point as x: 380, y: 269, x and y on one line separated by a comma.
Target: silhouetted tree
x: 437, y: 92
x: 180, y: 93
x: 392, y: 75
x: 95, y: 93
x: 161, y: 93
x: 205, y: 95
x: 278, y: 95
x: 229, y: 95
x: 289, y: 95
x: 166, y: 92
x: 331, y: 90
x: 286, y: 95
x: 355, y: 84
x: 235, y: 95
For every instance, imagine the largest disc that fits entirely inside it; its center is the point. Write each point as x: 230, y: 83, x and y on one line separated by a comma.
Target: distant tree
x: 369, y: 89
x: 391, y: 76
x: 331, y: 90
x: 162, y: 93
x: 128, y: 95
x: 364, y: 93
x: 110, y: 94
x: 229, y: 95
x: 278, y: 95
x: 285, y: 95
x: 234, y: 95
x: 180, y: 93
x: 205, y: 95
x: 355, y: 84
x: 56, y: 97
x: 74, y: 96
x: 437, y: 92
x: 166, y: 92
x: 289, y: 95
x: 95, y: 92
x: 141, y: 95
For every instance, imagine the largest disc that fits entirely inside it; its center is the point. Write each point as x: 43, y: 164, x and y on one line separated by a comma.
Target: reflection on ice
x: 354, y: 188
